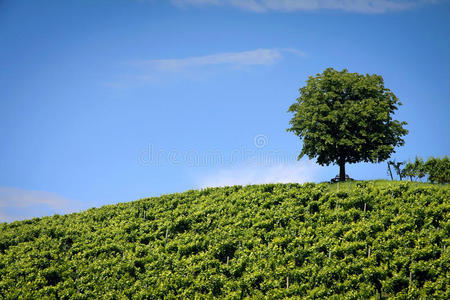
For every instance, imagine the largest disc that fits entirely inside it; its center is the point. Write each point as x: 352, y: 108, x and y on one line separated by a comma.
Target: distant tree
x: 389, y: 170
x: 419, y: 168
x: 414, y: 169
x: 397, y: 167
x: 346, y: 117
x: 409, y: 171
x: 438, y: 170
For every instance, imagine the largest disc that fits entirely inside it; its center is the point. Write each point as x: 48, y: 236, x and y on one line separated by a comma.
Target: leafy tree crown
x: 346, y: 117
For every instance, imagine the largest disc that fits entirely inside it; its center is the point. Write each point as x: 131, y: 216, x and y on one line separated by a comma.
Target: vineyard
x: 261, y: 241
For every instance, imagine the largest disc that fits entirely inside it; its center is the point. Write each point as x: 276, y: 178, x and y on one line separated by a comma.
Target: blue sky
x: 110, y: 101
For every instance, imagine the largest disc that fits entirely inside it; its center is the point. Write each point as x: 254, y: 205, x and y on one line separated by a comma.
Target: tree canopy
x: 346, y: 117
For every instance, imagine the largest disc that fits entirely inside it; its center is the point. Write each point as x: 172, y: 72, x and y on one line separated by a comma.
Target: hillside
x: 274, y: 240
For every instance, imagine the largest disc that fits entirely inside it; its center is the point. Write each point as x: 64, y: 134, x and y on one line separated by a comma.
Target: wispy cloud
x: 304, y: 171
x: 358, y: 6
x: 154, y: 71
x: 19, y: 204
x: 234, y: 59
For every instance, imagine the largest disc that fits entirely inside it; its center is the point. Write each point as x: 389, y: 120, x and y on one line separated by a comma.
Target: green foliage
x: 346, y: 117
x: 438, y: 169
x: 269, y: 241
x: 415, y: 170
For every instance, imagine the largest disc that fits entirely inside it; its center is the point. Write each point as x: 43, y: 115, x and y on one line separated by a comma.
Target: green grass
x: 379, y: 183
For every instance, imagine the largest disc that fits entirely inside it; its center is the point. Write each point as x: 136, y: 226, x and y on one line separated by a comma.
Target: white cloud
x: 195, y: 2
x: 18, y: 204
x: 234, y: 59
x: 358, y: 6
x: 154, y: 71
x: 248, y: 173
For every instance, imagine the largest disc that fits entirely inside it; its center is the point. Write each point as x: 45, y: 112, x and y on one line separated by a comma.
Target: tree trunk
x: 390, y: 171
x: 342, y: 171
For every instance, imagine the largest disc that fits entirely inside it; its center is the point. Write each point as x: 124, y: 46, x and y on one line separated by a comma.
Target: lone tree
x: 346, y: 117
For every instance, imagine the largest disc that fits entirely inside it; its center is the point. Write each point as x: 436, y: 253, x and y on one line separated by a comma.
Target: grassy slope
x: 277, y: 241
x: 379, y: 183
